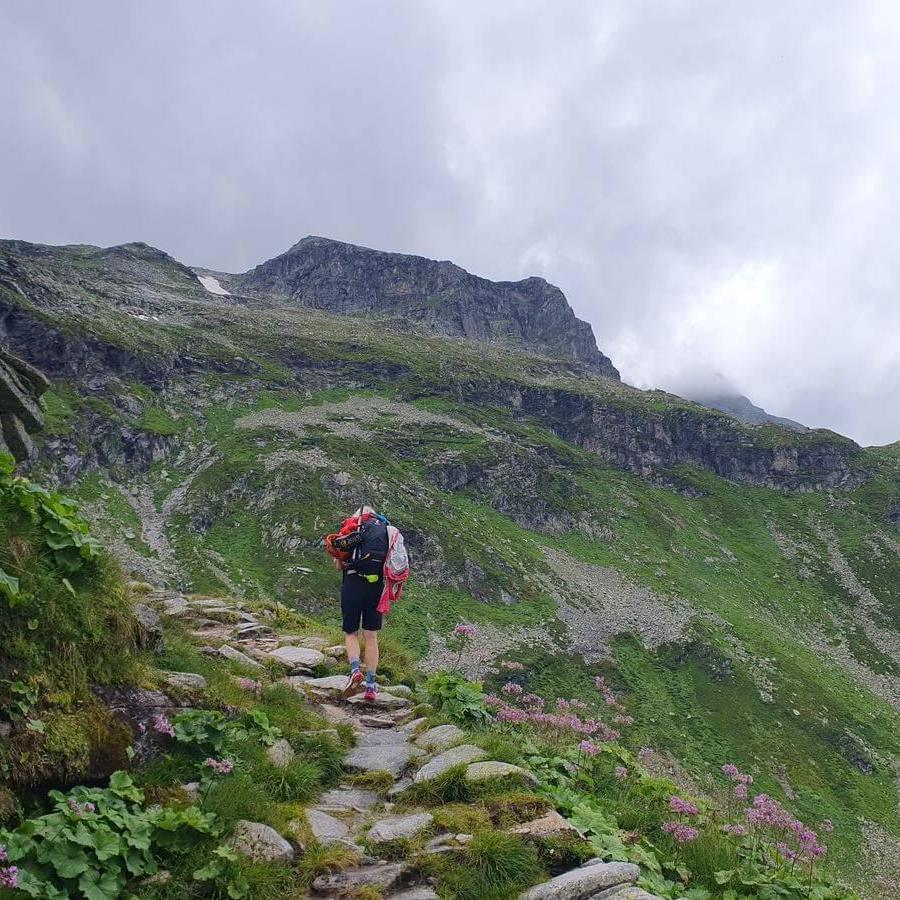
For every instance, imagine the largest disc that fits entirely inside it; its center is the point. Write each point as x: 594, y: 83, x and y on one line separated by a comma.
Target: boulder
x: 383, y: 699
x: 280, y: 754
x: 338, y: 651
x: 458, y: 756
x: 584, y: 883
x: 351, y: 881
x: 550, y: 824
x: 625, y: 892
x: 186, y: 681
x: 294, y: 658
x: 486, y: 771
x: 399, y: 827
x: 400, y: 690
x: 415, y: 893
x: 392, y: 758
x: 260, y: 842
x: 439, y: 738
x: 237, y: 657
x: 313, y: 642
x: 150, y: 630
x: 347, y: 799
x: 325, y: 828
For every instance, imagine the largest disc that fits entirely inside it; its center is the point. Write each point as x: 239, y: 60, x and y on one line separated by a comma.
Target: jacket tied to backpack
x: 355, y: 546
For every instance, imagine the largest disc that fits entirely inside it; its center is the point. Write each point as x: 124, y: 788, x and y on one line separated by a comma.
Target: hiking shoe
x: 371, y: 694
x: 355, y: 683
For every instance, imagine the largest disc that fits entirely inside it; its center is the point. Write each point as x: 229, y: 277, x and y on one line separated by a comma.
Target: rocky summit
x: 349, y: 280
x: 649, y: 589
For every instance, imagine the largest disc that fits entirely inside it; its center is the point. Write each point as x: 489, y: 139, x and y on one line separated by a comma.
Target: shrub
x: 95, y: 840
x: 454, y: 696
x: 237, y: 796
x: 299, y: 781
x: 493, y: 865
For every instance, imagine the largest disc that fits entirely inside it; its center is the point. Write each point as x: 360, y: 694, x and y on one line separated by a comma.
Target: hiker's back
x: 370, y: 552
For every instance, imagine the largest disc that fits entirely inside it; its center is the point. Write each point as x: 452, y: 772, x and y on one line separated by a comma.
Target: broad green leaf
x: 105, y: 885
x: 68, y: 859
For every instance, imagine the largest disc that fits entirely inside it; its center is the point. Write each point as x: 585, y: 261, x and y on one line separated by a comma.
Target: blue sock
x: 370, y: 679
x: 354, y: 666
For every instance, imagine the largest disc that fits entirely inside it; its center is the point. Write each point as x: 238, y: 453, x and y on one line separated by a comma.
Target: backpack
x: 396, y: 570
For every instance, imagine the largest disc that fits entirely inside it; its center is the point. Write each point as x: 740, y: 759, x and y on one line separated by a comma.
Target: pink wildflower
x: 624, y: 721
x: 2, y: 854
x: 740, y: 791
x: 511, y: 688
x: 731, y: 770
x: 562, y: 704
x: 578, y: 704
x: 621, y: 773
x: 785, y: 851
x: 89, y: 807
x: 737, y: 830
x: 464, y: 630
x: 684, y: 834
x: 684, y: 807
x: 219, y: 766
x: 162, y: 725
x: 9, y: 877
x: 492, y: 700
x: 509, y: 714
x: 512, y: 666
x: 589, y: 748
x: 250, y: 685
x: 744, y: 779
x: 533, y: 700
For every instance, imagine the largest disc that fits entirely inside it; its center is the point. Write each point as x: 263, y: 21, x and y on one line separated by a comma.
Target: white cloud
x: 707, y: 182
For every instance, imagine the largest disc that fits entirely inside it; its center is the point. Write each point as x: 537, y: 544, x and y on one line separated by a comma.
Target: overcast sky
x: 715, y: 185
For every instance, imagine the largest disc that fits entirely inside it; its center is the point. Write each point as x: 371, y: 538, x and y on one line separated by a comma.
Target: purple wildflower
x: 684, y: 807
x: 511, y: 688
x: 219, y: 766
x: 684, y: 834
x: 250, y: 685
x: 737, y: 830
x: 589, y: 748
x: 740, y: 791
x: 2, y: 854
x: 162, y: 725
x: 464, y: 629
x: 621, y: 773
x: 9, y: 877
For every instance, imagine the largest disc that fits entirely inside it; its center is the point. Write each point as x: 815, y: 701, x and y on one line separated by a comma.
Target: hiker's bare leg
x: 351, y: 641
x: 371, y: 650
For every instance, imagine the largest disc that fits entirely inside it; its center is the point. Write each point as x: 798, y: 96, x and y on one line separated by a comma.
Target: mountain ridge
x: 345, y: 278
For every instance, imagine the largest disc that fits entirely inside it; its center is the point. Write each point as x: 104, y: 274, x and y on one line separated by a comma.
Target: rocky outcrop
x: 21, y: 414
x: 346, y: 279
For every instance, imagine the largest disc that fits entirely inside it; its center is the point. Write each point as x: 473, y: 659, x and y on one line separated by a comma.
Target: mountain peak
x: 343, y: 278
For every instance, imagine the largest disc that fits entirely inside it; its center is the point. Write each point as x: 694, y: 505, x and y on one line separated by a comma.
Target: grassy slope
x: 820, y: 720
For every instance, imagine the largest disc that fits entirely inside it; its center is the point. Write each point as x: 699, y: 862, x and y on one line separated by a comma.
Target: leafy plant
x: 65, y: 533
x: 456, y: 697
x: 207, y: 731
x: 97, y: 839
x: 223, y: 868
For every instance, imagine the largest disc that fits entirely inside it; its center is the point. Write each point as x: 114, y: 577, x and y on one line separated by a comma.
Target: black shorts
x: 359, y: 600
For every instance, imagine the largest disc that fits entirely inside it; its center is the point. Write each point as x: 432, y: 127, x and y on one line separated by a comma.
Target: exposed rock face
x: 743, y: 409
x: 21, y: 386
x: 343, y: 278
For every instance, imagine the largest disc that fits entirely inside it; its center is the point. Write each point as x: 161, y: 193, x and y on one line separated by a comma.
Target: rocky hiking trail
x: 396, y: 751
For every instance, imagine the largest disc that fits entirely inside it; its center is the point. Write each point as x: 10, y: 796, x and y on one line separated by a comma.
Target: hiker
x: 361, y: 587
x: 371, y: 556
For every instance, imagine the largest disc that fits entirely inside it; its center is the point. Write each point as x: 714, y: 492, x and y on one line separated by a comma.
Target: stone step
x: 584, y: 883
x: 458, y: 756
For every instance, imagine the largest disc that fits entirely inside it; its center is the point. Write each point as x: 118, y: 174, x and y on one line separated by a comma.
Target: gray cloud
x: 714, y: 185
